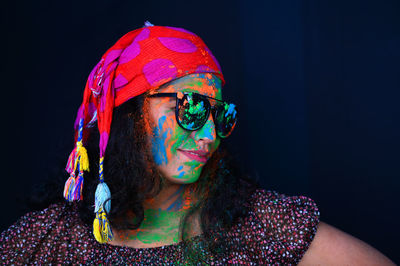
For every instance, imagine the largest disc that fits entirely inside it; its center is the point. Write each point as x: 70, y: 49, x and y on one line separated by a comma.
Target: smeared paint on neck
x: 161, y: 223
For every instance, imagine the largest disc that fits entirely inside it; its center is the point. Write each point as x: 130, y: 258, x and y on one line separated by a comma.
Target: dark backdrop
x: 317, y: 85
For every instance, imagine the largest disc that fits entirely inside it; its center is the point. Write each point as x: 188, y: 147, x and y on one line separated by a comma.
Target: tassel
x: 77, y: 160
x: 148, y: 24
x: 82, y: 156
x: 101, y: 227
x: 69, y: 186
x: 77, y: 190
x: 102, y: 198
x: 102, y: 205
x: 71, y: 162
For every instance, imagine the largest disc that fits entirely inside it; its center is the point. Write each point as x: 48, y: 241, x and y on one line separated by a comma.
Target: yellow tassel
x: 96, y: 229
x: 101, y: 228
x: 83, y: 159
x: 82, y: 156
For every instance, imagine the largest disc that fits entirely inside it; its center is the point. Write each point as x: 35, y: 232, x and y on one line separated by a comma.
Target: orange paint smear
x: 169, y: 125
x: 197, y: 168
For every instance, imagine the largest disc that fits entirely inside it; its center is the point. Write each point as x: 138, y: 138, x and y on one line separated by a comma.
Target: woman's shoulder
x: 268, y: 202
x: 41, y: 235
x: 285, y: 224
x: 287, y: 213
x: 36, y: 222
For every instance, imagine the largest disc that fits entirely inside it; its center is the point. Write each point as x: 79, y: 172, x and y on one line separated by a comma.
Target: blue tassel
x: 148, y: 24
x: 77, y: 190
x: 102, y: 198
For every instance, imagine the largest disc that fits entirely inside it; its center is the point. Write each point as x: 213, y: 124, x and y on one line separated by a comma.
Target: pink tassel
x: 69, y: 186
x: 70, y: 167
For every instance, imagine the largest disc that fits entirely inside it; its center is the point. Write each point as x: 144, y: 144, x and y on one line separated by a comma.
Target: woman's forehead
x: 202, y: 83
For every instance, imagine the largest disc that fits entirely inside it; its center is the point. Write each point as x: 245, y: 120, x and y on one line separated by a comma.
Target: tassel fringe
x: 71, y: 162
x: 77, y: 190
x: 102, y: 205
x: 102, y: 198
x: 77, y: 159
x: 101, y: 227
x: 69, y: 186
x: 73, y: 187
x: 82, y: 157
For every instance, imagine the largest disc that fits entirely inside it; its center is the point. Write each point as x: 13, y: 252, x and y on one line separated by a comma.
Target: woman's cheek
x: 174, y: 138
x: 179, y: 139
x: 160, y: 134
x: 215, y: 144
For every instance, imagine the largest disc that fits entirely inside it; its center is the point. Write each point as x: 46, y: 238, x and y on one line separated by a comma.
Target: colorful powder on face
x: 181, y: 174
x: 180, y: 136
x: 166, y: 146
x: 207, y: 131
x: 158, y: 142
x: 194, y: 169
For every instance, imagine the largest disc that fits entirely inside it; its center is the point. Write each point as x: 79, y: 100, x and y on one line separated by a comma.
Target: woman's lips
x: 199, y: 155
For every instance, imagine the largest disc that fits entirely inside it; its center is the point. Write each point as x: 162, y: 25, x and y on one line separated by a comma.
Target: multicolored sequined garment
x: 277, y: 230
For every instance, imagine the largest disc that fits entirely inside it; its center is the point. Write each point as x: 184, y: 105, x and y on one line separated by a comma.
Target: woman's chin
x: 182, y: 180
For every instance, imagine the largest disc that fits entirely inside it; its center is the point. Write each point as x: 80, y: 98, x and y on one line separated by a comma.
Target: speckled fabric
x: 277, y: 230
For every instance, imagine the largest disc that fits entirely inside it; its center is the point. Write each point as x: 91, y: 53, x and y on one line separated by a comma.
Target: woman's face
x: 178, y: 153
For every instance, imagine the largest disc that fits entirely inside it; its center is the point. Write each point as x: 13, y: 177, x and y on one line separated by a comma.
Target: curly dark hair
x: 223, y: 191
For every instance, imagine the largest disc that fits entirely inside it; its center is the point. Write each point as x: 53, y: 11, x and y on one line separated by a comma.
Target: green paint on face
x: 179, y: 138
x: 194, y: 170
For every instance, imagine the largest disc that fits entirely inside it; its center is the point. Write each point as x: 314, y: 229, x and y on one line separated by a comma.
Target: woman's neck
x: 162, y: 217
x: 173, y: 197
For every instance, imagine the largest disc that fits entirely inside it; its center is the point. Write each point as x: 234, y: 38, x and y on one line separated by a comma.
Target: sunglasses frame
x: 212, y: 108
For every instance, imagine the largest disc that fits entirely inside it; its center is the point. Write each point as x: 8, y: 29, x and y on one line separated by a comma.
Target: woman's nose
x: 207, y: 132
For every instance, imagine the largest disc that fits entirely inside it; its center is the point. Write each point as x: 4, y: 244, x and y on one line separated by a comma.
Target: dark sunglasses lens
x: 193, y: 111
x: 225, y: 117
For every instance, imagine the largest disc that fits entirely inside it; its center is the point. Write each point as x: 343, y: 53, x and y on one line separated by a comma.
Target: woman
x: 153, y: 122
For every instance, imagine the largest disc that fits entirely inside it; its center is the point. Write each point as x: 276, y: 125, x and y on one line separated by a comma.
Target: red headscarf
x: 141, y: 60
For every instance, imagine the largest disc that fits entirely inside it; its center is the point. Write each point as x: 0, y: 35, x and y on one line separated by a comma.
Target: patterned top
x: 277, y: 230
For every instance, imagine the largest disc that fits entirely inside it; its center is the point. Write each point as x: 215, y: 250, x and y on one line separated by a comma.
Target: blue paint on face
x: 180, y: 168
x: 181, y: 174
x: 215, y: 81
x: 158, y: 142
x: 207, y: 131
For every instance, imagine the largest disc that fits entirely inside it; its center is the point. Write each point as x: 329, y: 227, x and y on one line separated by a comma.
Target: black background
x: 316, y: 83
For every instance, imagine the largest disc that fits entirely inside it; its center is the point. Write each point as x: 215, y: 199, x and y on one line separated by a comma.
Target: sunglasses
x: 192, y: 111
